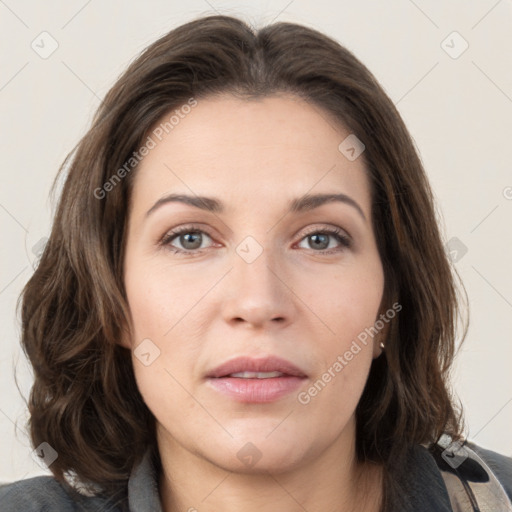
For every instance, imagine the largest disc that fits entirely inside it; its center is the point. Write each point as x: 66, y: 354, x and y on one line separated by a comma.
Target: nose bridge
x: 258, y: 293
x: 254, y: 265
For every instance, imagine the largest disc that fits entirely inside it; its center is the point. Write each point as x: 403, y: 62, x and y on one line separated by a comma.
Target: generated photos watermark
x: 156, y: 136
x: 305, y: 397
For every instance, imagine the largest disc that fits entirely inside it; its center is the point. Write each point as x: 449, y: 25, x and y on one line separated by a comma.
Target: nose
x: 257, y: 293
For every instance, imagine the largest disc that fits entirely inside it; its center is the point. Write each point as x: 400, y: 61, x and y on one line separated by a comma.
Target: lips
x: 250, y: 380
x: 247, y: 365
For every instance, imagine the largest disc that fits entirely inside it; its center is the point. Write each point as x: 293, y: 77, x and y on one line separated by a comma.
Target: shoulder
x: 35, y: 494
x: 44, y: 493
x: 501, y: 465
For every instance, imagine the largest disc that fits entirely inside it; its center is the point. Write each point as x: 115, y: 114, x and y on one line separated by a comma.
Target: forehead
x: 277, y: 147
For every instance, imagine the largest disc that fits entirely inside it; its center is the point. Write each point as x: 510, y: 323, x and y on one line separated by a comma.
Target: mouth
x: 250, y: 380
x: 256, y: 375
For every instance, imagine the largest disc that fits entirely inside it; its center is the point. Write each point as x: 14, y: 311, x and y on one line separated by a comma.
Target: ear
x: 379, y: 341
x: 378, y: 346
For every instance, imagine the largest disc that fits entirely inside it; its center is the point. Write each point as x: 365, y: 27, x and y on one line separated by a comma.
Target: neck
x: 332, y: 481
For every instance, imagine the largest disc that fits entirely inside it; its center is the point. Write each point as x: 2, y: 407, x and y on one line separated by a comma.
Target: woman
x: 245, y: 303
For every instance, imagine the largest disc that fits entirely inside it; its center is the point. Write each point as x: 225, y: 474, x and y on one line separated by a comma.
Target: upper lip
x: 251, y: 364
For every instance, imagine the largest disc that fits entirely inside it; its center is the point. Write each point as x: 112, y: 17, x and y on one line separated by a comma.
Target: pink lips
x: 256, y: 389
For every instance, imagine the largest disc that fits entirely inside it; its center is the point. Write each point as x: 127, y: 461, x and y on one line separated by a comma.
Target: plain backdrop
x: 446, y: 65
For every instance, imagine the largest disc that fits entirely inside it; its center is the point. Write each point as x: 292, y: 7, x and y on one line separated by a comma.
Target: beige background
x: 459, y: 111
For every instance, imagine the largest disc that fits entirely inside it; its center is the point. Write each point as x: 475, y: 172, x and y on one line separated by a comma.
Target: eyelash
x: 344, y: 240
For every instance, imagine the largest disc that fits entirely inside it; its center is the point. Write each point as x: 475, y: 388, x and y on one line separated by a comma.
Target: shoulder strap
x: 471, y: 484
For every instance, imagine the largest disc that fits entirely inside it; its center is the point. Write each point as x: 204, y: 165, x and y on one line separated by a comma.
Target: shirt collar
x: 143, y: 495
x: 422, y: 483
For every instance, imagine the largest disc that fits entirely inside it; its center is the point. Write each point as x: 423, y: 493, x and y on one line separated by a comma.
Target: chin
x: 260, y: 453
x: 249, y: 459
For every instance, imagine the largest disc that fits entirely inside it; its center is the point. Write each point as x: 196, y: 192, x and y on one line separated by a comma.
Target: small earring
x: 381, y: 345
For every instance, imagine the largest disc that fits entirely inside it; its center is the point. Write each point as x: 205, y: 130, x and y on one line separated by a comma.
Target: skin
x: 295, y: 301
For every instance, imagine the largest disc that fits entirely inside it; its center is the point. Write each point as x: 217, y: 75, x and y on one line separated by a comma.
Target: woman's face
x: 252, y: 277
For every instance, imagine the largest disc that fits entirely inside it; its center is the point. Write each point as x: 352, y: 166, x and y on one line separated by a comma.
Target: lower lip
x: 256, y: 390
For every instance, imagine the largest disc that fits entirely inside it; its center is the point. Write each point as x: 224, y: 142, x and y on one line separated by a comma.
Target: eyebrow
x: 301, y: 204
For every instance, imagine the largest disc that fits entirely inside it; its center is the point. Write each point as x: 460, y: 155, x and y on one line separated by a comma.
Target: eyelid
x: 346, y: 241
x: 185, y: 228
x: 325, y: 227
x: 344, y: 238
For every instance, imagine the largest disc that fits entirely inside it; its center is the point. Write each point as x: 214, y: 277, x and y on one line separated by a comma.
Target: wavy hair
x: 84, y: 401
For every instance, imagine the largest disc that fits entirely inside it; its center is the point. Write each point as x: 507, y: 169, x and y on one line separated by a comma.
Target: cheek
x: 150, y: 309
x: 345, y: 354
x: 346, y: 302
x: 156, y: 307
x: 161, y: 303
x: 159, y: 296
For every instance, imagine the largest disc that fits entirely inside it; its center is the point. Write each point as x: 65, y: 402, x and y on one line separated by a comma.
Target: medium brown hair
x: 84, y: 401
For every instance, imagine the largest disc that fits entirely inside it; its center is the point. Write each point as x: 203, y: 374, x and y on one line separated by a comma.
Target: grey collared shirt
x: 420, y: 477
